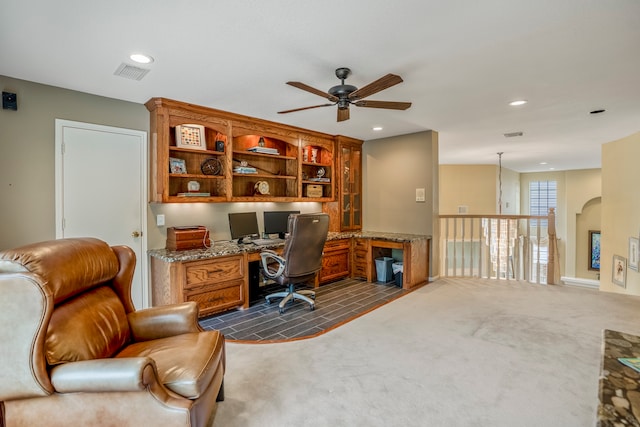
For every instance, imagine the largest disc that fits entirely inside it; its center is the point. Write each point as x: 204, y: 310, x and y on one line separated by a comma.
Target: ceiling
x: 462, y: 62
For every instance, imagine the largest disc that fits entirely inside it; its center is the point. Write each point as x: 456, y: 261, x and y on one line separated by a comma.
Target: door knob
x: 136, y: 234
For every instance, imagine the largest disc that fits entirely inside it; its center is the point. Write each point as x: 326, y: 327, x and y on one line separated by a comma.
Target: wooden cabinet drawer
x: 217, y: 297
x: 334, y: 265
x: 333, y: 245
x: 214, y: 270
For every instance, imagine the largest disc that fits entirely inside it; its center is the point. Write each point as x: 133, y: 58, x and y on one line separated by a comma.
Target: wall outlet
x: 160, y: 220
x: 420, y: 195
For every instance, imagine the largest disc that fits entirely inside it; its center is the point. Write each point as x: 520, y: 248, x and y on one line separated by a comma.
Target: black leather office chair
x: 301, y: 258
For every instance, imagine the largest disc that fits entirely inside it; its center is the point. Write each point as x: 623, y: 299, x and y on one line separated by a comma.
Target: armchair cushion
x: 93, y: 326
x: 164, y: 321
x: 186, y: 363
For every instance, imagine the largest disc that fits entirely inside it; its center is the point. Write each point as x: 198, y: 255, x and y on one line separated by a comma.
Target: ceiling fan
x: 344, y: 95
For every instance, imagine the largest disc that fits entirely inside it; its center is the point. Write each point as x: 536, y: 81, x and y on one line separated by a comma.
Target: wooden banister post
x: 553, y: 263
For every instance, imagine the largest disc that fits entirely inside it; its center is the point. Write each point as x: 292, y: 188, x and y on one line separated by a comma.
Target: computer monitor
x: 243, y: 224
x: 277, y: 222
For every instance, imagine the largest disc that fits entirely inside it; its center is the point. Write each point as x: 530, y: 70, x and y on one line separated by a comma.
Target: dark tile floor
x: 336, y: 303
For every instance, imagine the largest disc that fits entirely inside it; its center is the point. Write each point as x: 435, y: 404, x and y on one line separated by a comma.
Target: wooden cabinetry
x: 360, y: 258
x: 346, y: 211
x: 318, y: 179
x: 298, y: 165
x: 216, y: 284
x: 335, y: 261
x: 350, y: 183
x: 166, y: 184
x: 279, y: 171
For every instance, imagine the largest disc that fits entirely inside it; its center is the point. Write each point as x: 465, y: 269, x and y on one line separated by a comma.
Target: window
x: 542, y: 196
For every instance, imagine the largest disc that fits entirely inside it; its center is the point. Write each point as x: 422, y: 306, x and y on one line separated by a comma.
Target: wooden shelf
x: 302, y: 154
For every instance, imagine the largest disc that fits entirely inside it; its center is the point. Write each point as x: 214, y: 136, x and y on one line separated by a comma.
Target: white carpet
x: 453, y: 353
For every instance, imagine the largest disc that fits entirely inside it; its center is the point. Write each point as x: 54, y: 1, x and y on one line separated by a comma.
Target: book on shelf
x: 194, y: 194
x: 632, y: 362
x: 320, y: 179
x: 245, y: 169
x: 264, y: 150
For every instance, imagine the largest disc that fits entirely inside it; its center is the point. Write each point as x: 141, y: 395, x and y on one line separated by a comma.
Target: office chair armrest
x: 268, y: 255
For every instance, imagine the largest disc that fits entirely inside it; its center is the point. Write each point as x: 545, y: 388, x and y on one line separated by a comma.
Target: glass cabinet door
x: 351, y: 201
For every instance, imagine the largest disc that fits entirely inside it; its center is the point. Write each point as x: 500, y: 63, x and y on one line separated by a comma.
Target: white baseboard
x: 584, y: 283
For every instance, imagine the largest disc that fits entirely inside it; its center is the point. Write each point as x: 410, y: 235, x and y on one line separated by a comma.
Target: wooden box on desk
x: 182, y: 238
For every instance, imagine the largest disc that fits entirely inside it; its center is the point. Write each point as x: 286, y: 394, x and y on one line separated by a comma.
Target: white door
x: 101, y: 190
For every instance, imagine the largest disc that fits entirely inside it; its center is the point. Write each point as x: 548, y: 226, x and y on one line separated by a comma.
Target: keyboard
x: 264, y: 242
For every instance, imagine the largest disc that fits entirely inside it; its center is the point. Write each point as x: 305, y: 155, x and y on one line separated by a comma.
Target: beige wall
x: 478, y: 188
x: 581, y: 187
x: 588, y: 220
x: 392, y: 169
x: 620, y: 209
x: 27, y: 141
x: 471, y: 186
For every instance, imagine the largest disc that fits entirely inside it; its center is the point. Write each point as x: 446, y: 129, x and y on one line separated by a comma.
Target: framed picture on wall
x: 633, y: 253
x: 594, y: 250
x: 619, y: 271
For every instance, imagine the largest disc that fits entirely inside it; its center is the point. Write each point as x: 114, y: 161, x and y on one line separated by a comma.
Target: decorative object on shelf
x: 211, y: 166
x: 311, y: 154
x: 190, y: 136
x: 193, y: 186
x: 261, y: 187
x: 320, y: 176
x: 619, y: 271
x: 220, y: 142
x: 261, y: 142
x: 264, y: 150
x: 244, y: 167
x: 203, y: 194
x: 594, y: 250
x: 633, y: 253
x: 314, y: 190
x: 177, y: 165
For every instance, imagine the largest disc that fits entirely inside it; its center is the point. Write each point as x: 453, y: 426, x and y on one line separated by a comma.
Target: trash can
x: 397, y: 269
x: 383, y: 269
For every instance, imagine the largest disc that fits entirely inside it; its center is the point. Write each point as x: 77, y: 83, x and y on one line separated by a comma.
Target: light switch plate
x: 420, y: 195
x: 160, y: 220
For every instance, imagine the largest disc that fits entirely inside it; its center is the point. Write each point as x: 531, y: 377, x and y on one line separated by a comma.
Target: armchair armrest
x: 164, y: 321
x: 265, y: 257
x: 104, y: 375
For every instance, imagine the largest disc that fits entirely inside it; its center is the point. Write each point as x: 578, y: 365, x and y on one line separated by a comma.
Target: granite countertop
x: 228, y: 247
x: 619, y: 392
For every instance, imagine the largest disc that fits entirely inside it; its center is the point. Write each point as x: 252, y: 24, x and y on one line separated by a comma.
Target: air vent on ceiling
x: 131, y: 72
x: 512, y: 134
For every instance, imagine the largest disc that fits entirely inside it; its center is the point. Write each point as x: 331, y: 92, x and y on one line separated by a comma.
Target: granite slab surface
x: 229, y: 247
x: 619, y: 389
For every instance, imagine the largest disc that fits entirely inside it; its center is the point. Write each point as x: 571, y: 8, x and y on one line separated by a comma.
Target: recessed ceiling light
x: 518, y: 102
x: 543, y: 163
x: 377, y: 128
x: 141, y: 58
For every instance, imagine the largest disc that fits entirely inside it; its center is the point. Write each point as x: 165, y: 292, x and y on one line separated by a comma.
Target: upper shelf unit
x: 200, y: 154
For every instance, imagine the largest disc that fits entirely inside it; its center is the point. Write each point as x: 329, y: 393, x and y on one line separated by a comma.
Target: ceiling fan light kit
x: 344, y: 95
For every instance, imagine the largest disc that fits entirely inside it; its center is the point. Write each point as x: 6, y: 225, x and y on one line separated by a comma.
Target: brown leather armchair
x: 75, y: 352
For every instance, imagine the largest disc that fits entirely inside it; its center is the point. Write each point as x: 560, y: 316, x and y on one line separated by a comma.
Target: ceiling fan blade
x: 343, y: 114
x: 391, y: 105
x: 374, y: 87
x: 313, y: 90
x: 305, y: 108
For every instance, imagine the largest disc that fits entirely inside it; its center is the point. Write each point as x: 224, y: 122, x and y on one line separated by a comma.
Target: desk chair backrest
x: 305, y: 244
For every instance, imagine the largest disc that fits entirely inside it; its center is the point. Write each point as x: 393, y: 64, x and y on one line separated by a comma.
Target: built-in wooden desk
x: 219, y: 278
